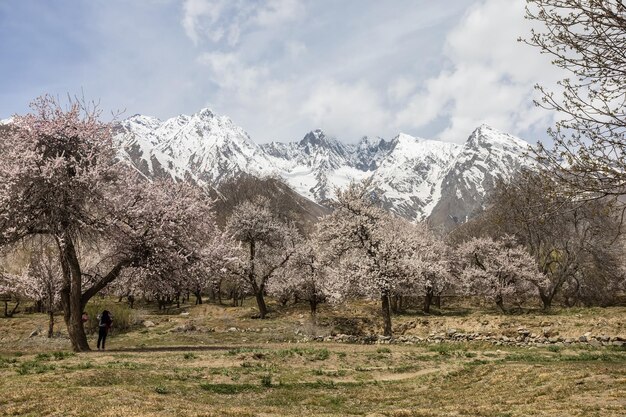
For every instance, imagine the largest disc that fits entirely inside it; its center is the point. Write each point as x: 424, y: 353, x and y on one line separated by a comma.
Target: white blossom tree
x: 38, y: 281
x: 267, y: 245
x: 498, y: 270
x: 304, y: 277
x: 371, y: 249
x: 432, y: 259
x: 573, y: 242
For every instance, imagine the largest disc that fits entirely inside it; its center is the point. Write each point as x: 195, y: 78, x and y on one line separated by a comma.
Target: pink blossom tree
x: 41, y: 282
x: 267, y: 244
x: 201, y: 271
x: 431, y: 264
x: 498, y: 270
x: 371, y: 249
x: 304, y: 277
x: 60, y: 177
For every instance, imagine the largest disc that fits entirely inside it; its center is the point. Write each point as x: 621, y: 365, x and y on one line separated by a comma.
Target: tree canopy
x: 586, y: 38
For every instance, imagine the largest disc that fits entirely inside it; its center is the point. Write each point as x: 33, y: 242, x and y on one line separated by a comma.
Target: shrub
x: 62, y: 355
x: 121, y: 313
x: 160, y: 389
x: 33, y: 367
x: 266, y: 380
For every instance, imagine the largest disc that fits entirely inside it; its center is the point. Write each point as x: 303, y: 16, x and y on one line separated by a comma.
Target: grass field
x: 218, y: 361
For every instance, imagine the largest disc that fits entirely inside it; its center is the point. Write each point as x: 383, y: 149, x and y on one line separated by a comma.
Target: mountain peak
x: 404, y: 138
x: 420, y: 176
x: 371, y: 142
x: 148, y: 122
x: 316, y: 137
x: 205, y: 113
x: 486, y: 135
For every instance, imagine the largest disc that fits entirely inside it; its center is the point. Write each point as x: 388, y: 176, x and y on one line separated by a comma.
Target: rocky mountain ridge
x: 420, y: 178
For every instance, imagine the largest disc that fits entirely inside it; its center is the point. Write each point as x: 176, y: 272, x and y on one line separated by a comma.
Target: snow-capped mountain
x: 488, y: 155
x: 411, y: 174
x: 202, y: 147
x: 313, y: 165
x: 318, y: 164
x: 420, y: 178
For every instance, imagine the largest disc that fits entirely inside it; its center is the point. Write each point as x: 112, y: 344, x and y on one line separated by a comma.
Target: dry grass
x: 259, y: 370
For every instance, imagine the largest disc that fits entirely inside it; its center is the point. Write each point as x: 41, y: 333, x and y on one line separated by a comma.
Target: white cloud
x: 400, y: 88
x: 490, y: 79
x: 226, y: 20
x: 349, y: 109
x: 295, y: 49
x: 229, y: 71
x: 280, y: 76
x: 282, y: 67
x: 274, y: 12
x: 198, y: 18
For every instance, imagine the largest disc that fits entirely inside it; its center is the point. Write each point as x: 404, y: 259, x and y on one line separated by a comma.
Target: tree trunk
x: 11, y: 313
x: 50, y: 323
x: 71, y: 295
x: 546, y: 299
x: 428, y: 299
x: 313, y: 304
x: 386, y: 314
x: 394, y: 304
x: 260, y: 303
x: 76, y: 332
x: 500, y: 303
x: 73, y: 299
x: 258, y: 289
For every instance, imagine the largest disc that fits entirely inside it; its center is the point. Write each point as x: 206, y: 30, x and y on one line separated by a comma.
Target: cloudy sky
x: 280, y: 68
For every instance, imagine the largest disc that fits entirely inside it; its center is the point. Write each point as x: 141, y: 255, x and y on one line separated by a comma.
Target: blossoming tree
x: 60, y: 177
x: 371, y: 250
x: 498, y: 270
x: 267, y: 244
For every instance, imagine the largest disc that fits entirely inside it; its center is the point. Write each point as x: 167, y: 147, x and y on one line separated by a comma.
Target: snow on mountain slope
x: 411, y: 174
x: 203, y: 147
x: 317, y: 164
x: 370, y: 152
x: 488, y: 155
x: 420, y: 178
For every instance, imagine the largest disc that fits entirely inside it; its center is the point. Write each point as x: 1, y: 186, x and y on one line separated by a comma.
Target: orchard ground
x: 212, y: 360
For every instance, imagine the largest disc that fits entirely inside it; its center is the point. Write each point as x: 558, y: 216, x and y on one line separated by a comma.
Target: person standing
x: 104, y: 324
